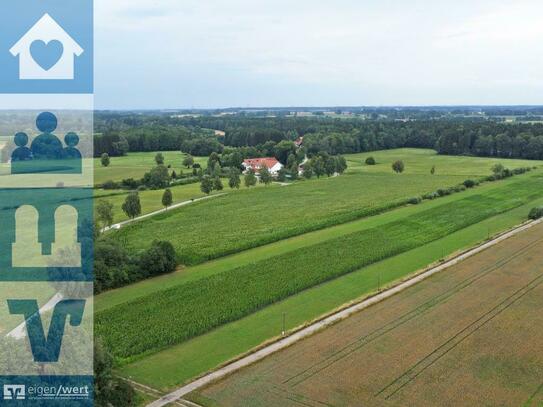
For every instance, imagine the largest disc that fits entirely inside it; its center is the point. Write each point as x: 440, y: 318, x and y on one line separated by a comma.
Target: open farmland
x: 467, y: 336
x: 246, y: 289
x: 253, y: 218
x: 421, y: 161
x: 135, y: 165
x: 175, y: 365
x: 151, y: 200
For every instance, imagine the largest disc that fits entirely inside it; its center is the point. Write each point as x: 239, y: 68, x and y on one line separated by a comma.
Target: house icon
x: 46, y: 52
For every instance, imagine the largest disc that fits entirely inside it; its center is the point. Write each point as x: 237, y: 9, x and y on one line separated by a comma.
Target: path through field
x: 170, y: 208
x: 468, y: 336
x: 253, y: 392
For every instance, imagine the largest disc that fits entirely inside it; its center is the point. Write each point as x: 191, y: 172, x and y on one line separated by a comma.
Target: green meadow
x: 421, y: 161
x: 135, y: 165
x: 251, y: 218
x: 151, y: 200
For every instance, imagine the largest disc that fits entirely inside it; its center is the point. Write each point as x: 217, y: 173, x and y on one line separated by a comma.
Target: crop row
x: 180, y: 313
x: 248, y: 219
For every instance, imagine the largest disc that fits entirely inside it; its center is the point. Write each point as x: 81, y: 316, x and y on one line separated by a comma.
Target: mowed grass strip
x: 175, y: 315
x: 252, y: 218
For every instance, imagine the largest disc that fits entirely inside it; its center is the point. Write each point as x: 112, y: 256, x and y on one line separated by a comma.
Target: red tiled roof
x: 269, y: 162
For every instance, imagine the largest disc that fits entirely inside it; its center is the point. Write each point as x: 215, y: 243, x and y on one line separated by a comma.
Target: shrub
x: 157, y: 178
x: 536, y: 213
x: 109, y: 390
x: 370, y: 161
x: 431, y: 196
x: 112, y: 266
x: 185, y: 181
x: 398, y: 166
x: 110, y: 185
x: 105, y: 160
x: 159, y: 259
x: 469, y: 183
x: 497, y: 168
x: 130, y: 183
x: 415, y: 200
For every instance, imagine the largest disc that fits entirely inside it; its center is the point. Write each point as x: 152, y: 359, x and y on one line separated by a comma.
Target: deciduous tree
x: 188, y: 161
x: 104, y: 213
x: 217, y: 184
x: 398, y: 166
x: 159, y: 159
x: 234, y: 180
x: 250, y: 178
x: 265, y: 176
x: 105, y: 160
x: 167, y: 198
x: 132, y: 205
x: 206, y: 185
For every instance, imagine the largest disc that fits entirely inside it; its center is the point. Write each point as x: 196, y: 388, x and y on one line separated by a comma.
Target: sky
x: 172, y: 54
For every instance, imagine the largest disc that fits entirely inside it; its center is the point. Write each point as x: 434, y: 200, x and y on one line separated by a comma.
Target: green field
x: 420, y: 161
x: 462, y: 337
x: 246, y: 289
x: 135, y: 165
x: 269, y: 253
x: 255, y: 217
x: 252, y: 218
x: 152, y: 200
x: 177, y: 364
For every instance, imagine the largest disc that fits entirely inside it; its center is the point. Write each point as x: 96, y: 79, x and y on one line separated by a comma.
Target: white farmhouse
x: 256, y: 164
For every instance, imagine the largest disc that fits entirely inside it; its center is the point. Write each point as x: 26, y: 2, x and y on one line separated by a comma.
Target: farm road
x: 170, y: 208
x: 317, y: 326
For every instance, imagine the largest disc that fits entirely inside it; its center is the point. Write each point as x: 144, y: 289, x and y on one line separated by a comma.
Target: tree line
x: 275, y: 136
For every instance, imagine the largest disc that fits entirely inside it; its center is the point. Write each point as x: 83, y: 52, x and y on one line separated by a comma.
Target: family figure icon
x: 46, y: 153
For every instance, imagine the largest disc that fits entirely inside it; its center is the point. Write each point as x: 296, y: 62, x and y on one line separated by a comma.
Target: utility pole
x: 283, y: 332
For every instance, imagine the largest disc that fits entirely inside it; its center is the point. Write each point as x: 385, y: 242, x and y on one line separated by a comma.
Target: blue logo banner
x: 46, y: 390
x: 46, y: 46
x: 46, y: 203
x: 47, y: 234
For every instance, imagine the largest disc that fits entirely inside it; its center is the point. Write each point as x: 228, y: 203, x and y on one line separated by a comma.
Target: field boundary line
x: 119, y: 225
x: 334, y: 318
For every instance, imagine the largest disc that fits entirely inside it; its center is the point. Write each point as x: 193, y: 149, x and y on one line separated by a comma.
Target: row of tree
x: 275, y: 136
x: 148, y: 138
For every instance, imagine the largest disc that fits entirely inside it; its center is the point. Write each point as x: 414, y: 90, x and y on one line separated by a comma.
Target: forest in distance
x: 504, y: 133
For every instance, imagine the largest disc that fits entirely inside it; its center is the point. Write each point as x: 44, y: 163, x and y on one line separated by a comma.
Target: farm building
x: 257, y: 163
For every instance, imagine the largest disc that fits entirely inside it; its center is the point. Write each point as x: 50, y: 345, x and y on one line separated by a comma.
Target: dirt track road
x: 332, y: 319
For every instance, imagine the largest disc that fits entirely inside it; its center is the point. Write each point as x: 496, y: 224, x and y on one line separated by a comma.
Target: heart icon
x: 48, y: 54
